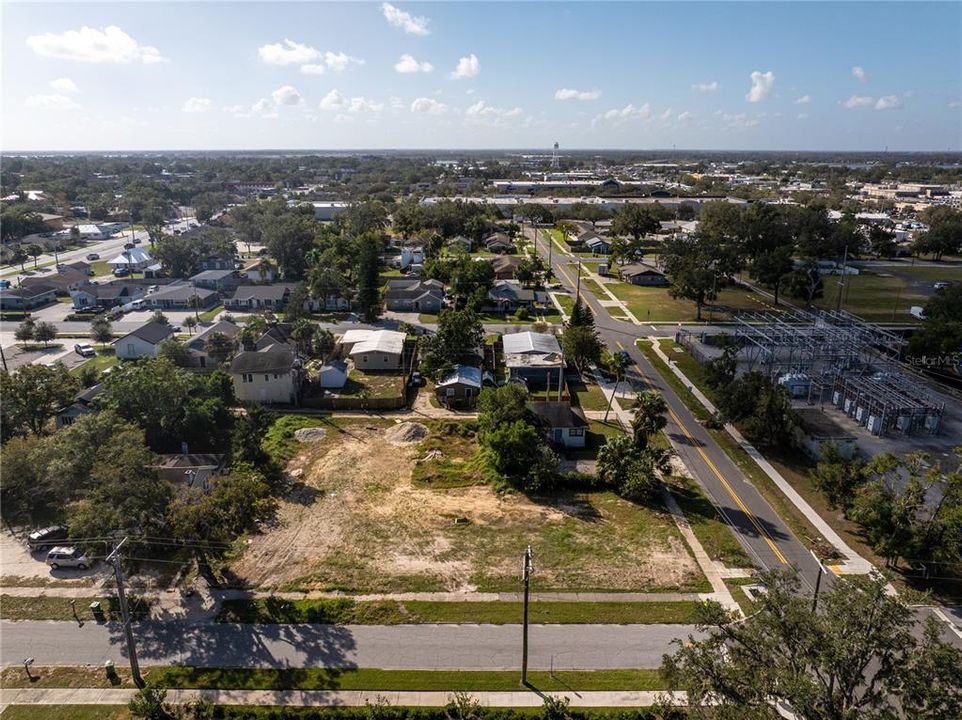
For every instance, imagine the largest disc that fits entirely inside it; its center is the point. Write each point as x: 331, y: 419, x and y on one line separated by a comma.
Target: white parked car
x: 67, y: 557
x: 84, y: 350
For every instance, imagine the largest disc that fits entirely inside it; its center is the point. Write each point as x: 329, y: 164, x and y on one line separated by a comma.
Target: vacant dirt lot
x: 356, y: 522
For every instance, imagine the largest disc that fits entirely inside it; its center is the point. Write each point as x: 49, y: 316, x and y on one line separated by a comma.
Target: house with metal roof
x: 135, y: 259
x: 534, y: 358
x: 377, y: 350
x: 460, y: 387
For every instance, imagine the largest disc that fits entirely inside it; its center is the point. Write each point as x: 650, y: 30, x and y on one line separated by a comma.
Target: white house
x: 561, y: 423
x: 135, y: 259
x: 143, y: 342
x: 373, y: 350
x: 269, y: 375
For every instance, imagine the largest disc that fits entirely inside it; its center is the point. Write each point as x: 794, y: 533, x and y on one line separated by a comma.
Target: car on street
x: 942, y: 285
x: 84, y: 350
x: 93, y: 256
x: 67, y: 556
x: 45, y: 537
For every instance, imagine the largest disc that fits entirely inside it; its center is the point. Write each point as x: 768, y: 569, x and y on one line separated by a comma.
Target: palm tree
x: 36, y: 251
x: 194, y: 303
x: 648, y: 417
x: 619, y: 363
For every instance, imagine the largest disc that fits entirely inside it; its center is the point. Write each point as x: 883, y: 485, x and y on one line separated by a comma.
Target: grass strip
x: 336, y: 679
x: 66, y: 712
x: 344, y: 611
x: 52, y: 607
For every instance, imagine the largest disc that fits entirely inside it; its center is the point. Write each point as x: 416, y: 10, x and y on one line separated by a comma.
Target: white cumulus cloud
x: 339, y: 62
x: 429, y: 106
x: 407, y: 64
x: 196, y: 105
x: 762, y: 84
x: 858, y: 72
x: 569, y: 94
x: 482, y: 109
x: 64, y: 85
x: 51, y: 102
x: 468, y: 67
x: 335, y: 100
x: 803, y: 100
x: 287, y: 95
x: 858, y: 101
x: 685, y: 116
x: 404, y: 20
x: 955, y: 104
x: 110, y: 45
x: 313, y: 69
x: 888, y: 102
x: 287, y: 53
x: 705, y: 87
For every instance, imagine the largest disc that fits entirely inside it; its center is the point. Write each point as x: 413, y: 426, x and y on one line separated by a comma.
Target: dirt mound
x: 310, y: 434
x: 406, y: 433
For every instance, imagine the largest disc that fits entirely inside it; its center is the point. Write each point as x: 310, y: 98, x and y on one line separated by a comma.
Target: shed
x: 816, y: 429
x: 333, y: 374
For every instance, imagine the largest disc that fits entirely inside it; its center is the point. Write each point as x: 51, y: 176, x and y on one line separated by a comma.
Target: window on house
x: 267, y: 378
x: 576, y: 432
x: 275, y: 376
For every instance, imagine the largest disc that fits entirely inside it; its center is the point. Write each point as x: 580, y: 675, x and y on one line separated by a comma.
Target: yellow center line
x: 731, y: 491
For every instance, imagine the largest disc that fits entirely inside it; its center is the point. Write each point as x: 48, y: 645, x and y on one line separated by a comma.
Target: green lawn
x: 711, y: 530
x: 452, y: 456
x: 548, y: 314
x: 106, y: 357
x: 335, y: 679
x: 66, y: 712
x: 566, y: 301
x: 51, y: 607
x: 209, y: 315
x: 585, y: 392
x: 343, y: 611
x: 885, y: 294
x: 656, y: 305
x: 100, y: 267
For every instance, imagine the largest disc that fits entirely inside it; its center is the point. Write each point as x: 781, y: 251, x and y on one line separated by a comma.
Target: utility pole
x: 526, y: 576
x: 843, y: 282
x: 114, y: 559
x: 578, y: 293
x: 818, y: 581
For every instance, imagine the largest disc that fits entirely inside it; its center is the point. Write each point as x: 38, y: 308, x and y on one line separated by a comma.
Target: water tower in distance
x: 554, y: 157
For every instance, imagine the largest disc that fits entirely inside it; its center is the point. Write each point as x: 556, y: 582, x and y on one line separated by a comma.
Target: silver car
x: 67, y: 557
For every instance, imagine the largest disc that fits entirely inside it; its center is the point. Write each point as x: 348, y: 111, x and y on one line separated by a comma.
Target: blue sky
x: 225, y: 75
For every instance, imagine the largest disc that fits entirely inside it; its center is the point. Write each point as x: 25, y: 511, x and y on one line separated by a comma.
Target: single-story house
x: 499, y: 242
x: 78, y: 266
x: 379, y: 350
x: 534, y: 357
x: 598, y: 245
x: 94, y: 232
x: 27, y: 297
x: 217, y: 261
x: 460, y: 387
x: 82, y: 405
x: 108, y: 295
x: 562, y: 423
x: 581, y: 239
x: 410, y: 256
x: 333, y: 374
x: 194, y: 470
x: 198, y: 344
x: 413, y: 295
x: 508, y: 296
x: 143, y: 342
x: 332, y: 302
x: 135, y: 259
x: 63, y: 282
x: 461, y: 243
x: 505, y: 266
x: 642, y: 274
x: 269, y: 375
x: 259, y: 297
x: 816, y: 430
x: 216, y: 279
x: 181, y: 296
x: 51, y: 221
x: 259, y: 271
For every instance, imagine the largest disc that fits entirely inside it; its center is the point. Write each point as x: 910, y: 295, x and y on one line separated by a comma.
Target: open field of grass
x: 585, y: 392
x: 379, y: 522
x: 337, y: 679
x: 345, y: 612
x: 656, y: 305
x: 874, y: 297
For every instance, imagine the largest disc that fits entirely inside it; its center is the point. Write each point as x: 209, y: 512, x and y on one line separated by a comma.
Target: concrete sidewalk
x: 330, y: 698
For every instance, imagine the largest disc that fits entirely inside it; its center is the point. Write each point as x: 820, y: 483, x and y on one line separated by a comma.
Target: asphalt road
x: 765, y: 536
x: 453, y: 647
